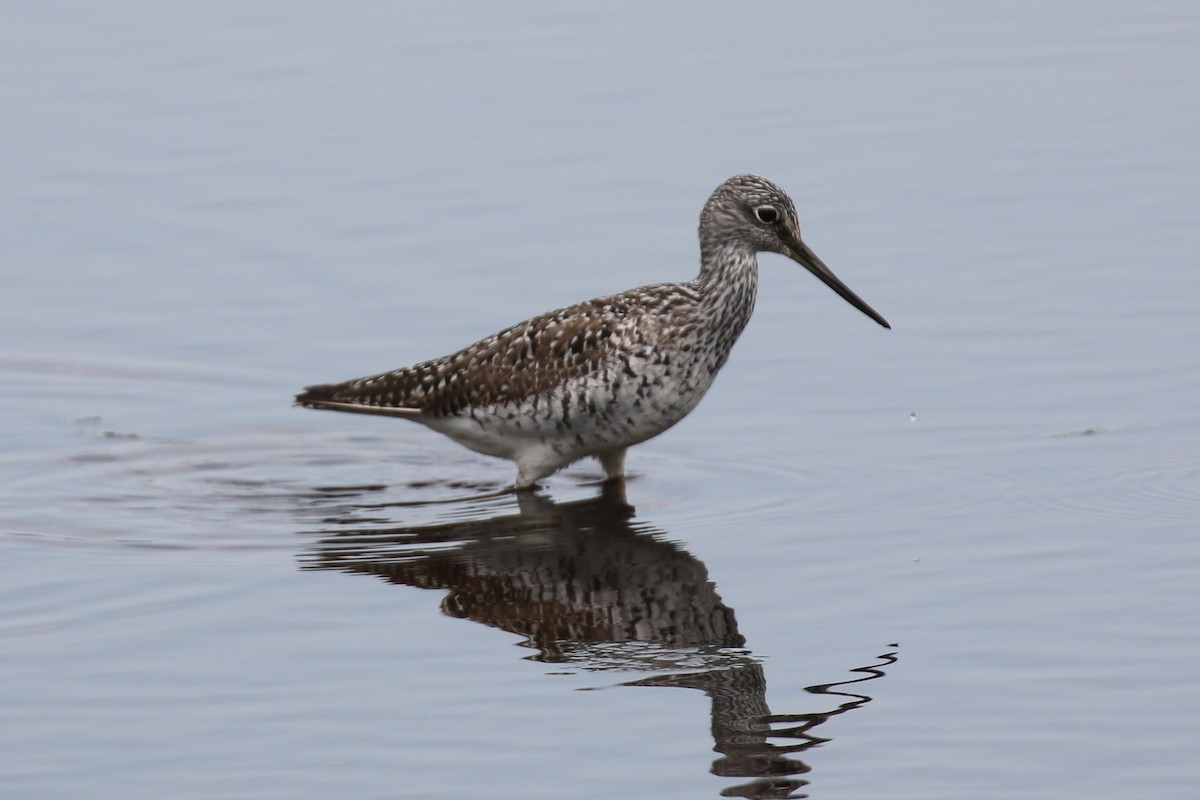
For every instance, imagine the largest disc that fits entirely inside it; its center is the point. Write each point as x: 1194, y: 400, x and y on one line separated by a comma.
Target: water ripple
x: 242, y: 491
x: 1150, y: 487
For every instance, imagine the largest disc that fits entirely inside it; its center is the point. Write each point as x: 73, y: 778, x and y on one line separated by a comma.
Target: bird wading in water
x: 594, y: 378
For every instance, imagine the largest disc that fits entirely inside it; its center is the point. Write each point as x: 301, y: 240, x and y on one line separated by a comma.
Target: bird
x: 595, y: 378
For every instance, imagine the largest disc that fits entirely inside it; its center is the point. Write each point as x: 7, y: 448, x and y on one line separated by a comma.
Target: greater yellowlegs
x: 594, y: 378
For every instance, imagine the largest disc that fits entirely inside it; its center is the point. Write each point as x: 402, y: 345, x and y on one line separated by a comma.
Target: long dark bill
x: 805, y: 257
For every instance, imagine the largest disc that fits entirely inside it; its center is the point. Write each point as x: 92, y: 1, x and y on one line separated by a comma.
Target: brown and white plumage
x: 594, y: 378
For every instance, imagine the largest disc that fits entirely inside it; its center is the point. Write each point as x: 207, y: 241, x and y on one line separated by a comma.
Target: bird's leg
x: 613, y: 462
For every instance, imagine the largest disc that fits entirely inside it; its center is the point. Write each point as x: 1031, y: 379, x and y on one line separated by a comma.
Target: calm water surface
x: 956, y: 559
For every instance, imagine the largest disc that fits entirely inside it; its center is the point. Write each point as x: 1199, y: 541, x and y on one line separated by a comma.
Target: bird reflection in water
x: 585, y: 585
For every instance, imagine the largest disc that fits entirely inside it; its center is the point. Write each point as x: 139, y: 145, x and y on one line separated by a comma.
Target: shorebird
x: 597, y: 377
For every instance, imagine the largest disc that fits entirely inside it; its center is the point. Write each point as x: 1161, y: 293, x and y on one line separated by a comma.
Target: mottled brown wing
x: 524, y: 361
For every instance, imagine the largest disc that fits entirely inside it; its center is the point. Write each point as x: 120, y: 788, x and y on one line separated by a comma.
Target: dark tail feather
x: 325, y: 396
x: 315, y: 396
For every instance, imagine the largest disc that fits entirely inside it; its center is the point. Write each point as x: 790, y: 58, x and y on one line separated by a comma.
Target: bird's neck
x: 728, y: 285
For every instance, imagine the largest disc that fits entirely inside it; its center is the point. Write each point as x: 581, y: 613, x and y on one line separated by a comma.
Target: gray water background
x: 205, y: 592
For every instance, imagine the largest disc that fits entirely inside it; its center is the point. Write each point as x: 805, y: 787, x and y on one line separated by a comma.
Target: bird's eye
x: 767, y: 214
